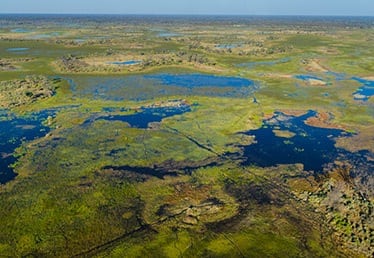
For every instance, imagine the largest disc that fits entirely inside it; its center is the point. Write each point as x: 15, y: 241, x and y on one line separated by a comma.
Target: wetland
x: 138, y: 136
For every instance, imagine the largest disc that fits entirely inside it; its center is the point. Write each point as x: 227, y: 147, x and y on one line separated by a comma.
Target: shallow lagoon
x: 309, y: 145
x: 17, y: 49
x: 364, y: 92
x: 13, y: 131
x: 20, y: 30
x: 129, y: 62
x: 145, y: 116
x: 200, y: 80
x: 228, y: 46
x: 166, y: 34
x: 142, y: 87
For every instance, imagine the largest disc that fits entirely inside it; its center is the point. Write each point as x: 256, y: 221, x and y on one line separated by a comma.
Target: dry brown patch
x: 278, y: 75
x: 315, y: 82
x: 362, y: 141
x: 284, y: 133
x: 323, y: 120
x: 267, y: 116
x: 329, y: 50
x: 315, y: 66
x: 291, y: 112
x: 369, y: 78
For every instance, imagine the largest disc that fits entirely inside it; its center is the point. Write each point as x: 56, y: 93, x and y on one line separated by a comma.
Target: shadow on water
x: 309, y: 145
x: 15, y: 130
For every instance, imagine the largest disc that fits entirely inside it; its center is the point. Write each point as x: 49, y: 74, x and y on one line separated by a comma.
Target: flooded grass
x: 264, y: 63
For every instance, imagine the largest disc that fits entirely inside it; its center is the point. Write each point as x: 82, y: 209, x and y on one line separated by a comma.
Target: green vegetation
x: 178, y: 188
x: 26, y: 91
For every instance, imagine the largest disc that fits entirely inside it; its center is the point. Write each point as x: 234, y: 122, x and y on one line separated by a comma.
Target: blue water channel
x: 307, y: 77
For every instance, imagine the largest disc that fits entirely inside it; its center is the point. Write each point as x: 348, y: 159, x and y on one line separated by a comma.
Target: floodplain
x: 186, y: 136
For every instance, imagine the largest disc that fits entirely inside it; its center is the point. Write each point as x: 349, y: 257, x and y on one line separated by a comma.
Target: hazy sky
x: 257, y: 7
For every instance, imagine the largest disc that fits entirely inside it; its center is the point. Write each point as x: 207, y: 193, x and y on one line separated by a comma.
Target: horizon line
x: 187, y: 14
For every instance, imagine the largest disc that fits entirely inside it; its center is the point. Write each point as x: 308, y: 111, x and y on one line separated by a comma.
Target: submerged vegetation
x: 138, y: 136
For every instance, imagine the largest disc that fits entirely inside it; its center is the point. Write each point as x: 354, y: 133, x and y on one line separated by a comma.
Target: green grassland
x: 80, y: 190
